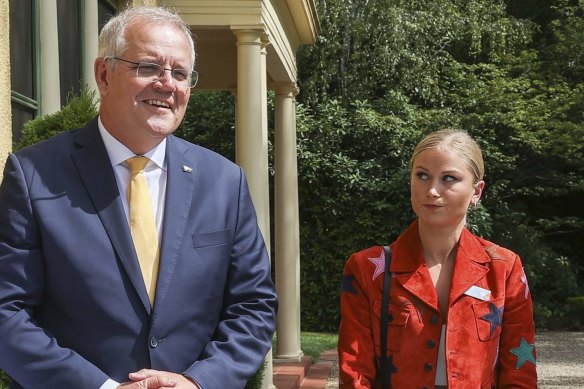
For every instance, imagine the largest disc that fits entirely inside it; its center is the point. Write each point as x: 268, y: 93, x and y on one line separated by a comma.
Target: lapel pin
x: 187, y: 169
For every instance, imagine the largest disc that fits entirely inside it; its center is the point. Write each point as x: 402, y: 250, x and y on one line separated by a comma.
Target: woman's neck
x: 439, y: 245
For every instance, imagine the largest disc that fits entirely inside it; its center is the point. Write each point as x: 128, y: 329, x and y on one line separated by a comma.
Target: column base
x: 287, y: 358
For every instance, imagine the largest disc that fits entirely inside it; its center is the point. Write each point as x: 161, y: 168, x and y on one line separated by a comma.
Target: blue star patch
x: 347, y: 284
x: 391, y: 369
x: 495, y: 317
x: 524, y: 353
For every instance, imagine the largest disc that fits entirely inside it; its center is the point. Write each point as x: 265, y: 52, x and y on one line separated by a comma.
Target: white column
x: 264, y: 130
x: 50, y: 91
x: 287, y: 235
x: 90, y: 33
x: 251, y: 129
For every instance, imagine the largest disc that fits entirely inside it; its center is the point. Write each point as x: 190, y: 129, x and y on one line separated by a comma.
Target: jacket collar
x: 408, y: 265
x: 407, y: 254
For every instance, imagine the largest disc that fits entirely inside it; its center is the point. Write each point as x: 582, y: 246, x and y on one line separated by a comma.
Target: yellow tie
x: 142, y: 224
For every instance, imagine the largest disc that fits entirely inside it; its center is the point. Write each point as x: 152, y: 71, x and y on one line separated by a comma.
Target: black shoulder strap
x: 385, y: 320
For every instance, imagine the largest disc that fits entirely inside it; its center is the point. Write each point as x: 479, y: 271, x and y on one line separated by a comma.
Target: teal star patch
x: 524, y: 353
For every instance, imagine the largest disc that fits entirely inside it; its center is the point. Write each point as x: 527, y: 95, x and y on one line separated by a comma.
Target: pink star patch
x: 524, y: 280
x: 379, y: 264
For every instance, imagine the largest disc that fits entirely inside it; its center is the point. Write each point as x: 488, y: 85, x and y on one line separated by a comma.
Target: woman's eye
x: 421, y: 175
x: 449, y: 178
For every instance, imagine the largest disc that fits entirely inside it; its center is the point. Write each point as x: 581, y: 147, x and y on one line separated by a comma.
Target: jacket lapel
x: 408, y: 265
x: 472, y: 264
x: 420, y: 285
x: 182, y: 175
x: 94, y: 167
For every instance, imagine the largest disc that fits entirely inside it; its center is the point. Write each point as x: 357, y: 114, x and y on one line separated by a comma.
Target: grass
x: 314, y: 343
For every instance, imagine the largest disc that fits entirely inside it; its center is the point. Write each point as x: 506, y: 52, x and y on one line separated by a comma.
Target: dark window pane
x: 21, y: 47
x: 105, y: 11
x: 69, y: 47
x: 20, y: 115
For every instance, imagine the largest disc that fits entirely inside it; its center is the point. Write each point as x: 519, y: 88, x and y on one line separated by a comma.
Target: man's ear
x: 101, y: 70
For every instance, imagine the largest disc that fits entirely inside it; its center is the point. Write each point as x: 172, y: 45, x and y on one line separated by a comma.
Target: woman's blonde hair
x: 458, y: 141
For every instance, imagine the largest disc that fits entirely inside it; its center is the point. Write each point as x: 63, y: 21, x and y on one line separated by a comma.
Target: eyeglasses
x: 154, y: 72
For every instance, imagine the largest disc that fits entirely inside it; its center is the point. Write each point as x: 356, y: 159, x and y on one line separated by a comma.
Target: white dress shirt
x: 155, y: 171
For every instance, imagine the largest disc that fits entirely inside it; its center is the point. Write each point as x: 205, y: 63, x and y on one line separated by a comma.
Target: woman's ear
x: 478, y: 191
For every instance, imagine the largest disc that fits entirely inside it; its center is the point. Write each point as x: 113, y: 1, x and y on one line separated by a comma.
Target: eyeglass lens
x: 152, y: 70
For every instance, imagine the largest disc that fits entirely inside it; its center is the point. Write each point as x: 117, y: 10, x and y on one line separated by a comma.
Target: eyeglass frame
x: 194, y: 75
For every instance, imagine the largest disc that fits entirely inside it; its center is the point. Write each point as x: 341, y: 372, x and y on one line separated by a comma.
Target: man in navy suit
x: 75, y: 308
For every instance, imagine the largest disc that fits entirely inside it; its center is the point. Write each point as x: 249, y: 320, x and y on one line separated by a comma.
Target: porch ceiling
x: 286, y: 24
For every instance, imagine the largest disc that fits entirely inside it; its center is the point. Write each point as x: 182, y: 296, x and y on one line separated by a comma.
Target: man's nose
x: 166, y: 79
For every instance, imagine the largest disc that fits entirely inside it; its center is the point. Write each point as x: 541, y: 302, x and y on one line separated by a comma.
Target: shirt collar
x: 119, y: 153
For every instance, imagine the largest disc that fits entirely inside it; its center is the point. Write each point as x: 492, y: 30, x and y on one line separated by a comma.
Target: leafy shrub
x: 255, y: 381
x: 79, y: 110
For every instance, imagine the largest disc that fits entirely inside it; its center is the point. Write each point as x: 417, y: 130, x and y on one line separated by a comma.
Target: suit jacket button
x: 153, y: 342
x: 430, y: 344
x: 434, y: 319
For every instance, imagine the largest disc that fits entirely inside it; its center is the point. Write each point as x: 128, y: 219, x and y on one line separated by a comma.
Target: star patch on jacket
x: 379, y: 264
x: 495, y: 317
x: 347, y: 284
x: 391, y: 368
x: 524, y: 353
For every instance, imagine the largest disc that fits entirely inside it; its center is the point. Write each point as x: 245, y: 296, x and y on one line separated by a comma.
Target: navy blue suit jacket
x: 74, y: 310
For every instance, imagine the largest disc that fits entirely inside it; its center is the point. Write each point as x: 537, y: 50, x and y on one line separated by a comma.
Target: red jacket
x: 489, y: 343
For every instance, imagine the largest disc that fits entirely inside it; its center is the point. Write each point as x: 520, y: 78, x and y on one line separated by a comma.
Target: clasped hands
x: 156, y: 379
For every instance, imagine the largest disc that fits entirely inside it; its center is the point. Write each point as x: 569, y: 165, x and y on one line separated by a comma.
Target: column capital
x: 265, y: 39
x: 250, y: 35
x: 285, y: 88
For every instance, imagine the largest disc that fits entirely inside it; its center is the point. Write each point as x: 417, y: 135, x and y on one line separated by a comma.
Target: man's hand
x: 152, y: 382
x: 164, y: 379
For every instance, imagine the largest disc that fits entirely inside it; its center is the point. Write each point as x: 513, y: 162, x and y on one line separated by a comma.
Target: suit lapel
x: 94, y: 167
x: 181, y: 183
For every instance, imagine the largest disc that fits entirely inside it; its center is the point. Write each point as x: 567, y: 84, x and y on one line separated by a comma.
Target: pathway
x: 560, y: 365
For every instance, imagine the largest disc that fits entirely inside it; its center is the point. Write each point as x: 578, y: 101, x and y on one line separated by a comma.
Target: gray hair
x: 112, y: 39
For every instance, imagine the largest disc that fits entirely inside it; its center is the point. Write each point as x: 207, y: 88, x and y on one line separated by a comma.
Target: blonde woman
x: 460, y: 310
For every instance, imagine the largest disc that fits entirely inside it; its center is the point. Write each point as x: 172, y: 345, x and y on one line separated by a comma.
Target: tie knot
x: 137, y: 164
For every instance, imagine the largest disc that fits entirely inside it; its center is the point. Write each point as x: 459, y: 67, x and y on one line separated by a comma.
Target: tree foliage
x: 385, y: 72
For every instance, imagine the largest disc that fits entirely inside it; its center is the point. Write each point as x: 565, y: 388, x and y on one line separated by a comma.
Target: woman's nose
x: 433, y: 191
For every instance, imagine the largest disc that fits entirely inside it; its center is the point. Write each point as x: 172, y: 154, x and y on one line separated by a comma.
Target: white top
x: 441, y: 365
